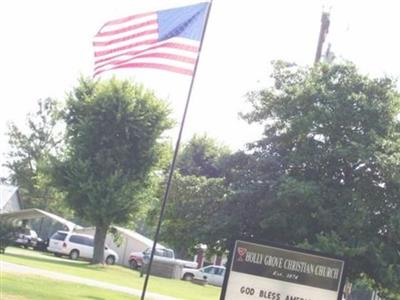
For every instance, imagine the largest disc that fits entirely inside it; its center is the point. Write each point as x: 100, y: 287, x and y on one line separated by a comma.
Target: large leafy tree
x: 202, y: 156
x: 193, y: 207
x: 333, y: 137
x: 197, y: 195
x: 251, y: 180
x: 29, y: 160
x: 113, y: 144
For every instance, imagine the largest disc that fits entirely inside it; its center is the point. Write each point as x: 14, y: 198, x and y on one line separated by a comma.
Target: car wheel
x: 110, y: 260
x: 187, y: 277
x: 133, y: 264
x: 74, y: 254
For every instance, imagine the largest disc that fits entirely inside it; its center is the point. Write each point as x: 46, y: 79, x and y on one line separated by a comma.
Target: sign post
x: 276, y: 272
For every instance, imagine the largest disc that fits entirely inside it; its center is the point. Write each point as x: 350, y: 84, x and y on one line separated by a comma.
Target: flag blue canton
x: 186, y: 22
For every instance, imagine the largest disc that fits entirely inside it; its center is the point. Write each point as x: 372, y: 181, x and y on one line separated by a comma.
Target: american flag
x: 167, y: 39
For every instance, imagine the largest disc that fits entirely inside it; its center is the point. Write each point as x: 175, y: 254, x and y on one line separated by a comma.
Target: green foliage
x: 31, y: 155
x: 193, y: 207
x: 250, y: 181
x: 113, y: 146
x: 118, y: 239
x: 202, y: 156
x: 332, y: 137
x: 196, y: 197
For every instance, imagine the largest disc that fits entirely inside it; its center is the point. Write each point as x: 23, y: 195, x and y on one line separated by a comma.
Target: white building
x: 10, y: 200
x: 127, y: 241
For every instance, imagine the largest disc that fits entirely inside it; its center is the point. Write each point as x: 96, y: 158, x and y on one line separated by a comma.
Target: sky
x: 46, y: 45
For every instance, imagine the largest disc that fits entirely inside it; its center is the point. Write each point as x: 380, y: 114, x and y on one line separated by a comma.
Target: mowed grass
x: 16, y: 287
x: 112, y: 274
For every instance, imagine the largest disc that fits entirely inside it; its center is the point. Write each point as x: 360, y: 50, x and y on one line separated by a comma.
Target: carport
x: 38, y: 217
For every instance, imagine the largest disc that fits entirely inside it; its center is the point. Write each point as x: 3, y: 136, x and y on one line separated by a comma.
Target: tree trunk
x: 99, y: 242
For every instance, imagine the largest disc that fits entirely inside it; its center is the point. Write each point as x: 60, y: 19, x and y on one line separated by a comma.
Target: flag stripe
x: 169, y: 56
x: 163, y: 56
x: 125, y: 38
x: 127, y: 19
x: 170, y: 45
x: 126, y: 29
x: 151, y: 66
x: 126, y: 47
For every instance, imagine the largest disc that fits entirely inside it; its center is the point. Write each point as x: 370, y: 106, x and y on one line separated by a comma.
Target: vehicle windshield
x: 24, y: 231
x: 165, y: 253
x: 160, y: 252
x: 59, y: 236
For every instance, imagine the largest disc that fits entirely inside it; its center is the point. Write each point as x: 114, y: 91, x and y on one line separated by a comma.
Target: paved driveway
x: 13, y: 268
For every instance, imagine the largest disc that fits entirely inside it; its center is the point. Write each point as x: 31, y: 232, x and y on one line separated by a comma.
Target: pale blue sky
x: 46, y: 44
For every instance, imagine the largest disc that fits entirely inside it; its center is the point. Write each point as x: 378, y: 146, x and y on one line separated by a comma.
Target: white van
x: 77, y: 245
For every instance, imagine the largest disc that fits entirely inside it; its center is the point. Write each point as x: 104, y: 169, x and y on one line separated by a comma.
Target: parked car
x: 212, y: 274
x: 136, y: 259
x: 26, y: 237
x: 77, y: 245
x: 41, y: 245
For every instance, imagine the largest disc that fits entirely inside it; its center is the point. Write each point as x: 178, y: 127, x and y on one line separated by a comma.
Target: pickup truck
x: 213, y: 274
x: 136, y: 259
x: 27, y: 238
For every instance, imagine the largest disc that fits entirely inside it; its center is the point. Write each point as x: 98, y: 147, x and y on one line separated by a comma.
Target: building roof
x: 6, y: 193
x: 127, y: 234
x: 137, y: 236
x: 34, y: 213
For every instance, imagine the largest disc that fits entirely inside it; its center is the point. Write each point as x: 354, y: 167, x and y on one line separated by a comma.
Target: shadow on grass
x: 46, y: 258
x: 49, y: 257
x: 53, y: 261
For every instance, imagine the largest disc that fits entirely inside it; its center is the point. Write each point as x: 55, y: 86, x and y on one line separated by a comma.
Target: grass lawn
x: 112, y: 274
x: 15, y: 287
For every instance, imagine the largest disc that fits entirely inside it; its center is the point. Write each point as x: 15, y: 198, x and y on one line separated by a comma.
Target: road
x: 14, y: 268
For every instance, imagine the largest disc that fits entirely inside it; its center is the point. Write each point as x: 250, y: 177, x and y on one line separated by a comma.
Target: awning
x: 34, y: 213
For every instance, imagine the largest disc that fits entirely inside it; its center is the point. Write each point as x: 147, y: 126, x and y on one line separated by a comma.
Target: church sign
x: 275, y: 272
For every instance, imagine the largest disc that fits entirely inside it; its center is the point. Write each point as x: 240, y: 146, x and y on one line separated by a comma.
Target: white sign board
x: 268, y: 271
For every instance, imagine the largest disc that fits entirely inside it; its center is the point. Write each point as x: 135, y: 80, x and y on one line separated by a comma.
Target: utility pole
x: 322, y: 35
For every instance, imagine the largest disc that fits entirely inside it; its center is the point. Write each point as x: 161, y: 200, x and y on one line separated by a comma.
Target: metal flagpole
x: 172, y: 167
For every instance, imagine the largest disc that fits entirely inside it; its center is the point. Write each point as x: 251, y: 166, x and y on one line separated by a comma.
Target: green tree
x: 334, y: 135
x: 29, y: 159
x: 251, y: 179
x: 202, y: 156
x: 193, y: 206
x: 113, y: 145
x: 197, y: 193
